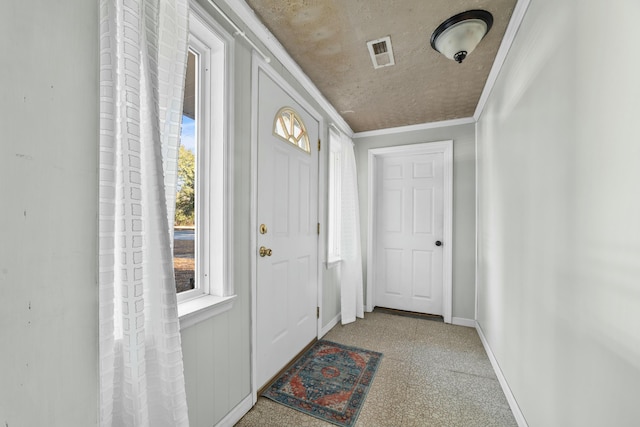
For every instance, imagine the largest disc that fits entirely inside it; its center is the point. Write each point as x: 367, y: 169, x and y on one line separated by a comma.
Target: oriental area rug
x: 330, y: 381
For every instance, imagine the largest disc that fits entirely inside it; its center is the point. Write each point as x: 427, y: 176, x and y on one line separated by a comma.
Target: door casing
x: 259, y: 64
x: 446, y: 148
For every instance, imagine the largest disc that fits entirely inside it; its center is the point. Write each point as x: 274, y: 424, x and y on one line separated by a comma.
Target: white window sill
x: 201, y: 308
x: 332, y: 264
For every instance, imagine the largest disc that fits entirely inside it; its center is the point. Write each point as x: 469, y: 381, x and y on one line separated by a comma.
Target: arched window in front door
x: 289, y: 126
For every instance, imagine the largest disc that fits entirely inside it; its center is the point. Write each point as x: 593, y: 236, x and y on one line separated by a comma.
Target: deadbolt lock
x: 265, y: 251
x: 263, y: 229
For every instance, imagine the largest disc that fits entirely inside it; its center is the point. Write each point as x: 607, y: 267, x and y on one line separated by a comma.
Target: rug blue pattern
x: 330, y: 381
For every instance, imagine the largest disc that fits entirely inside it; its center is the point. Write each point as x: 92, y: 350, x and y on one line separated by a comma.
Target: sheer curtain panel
x: 351, y: 291
x: 143, y: 49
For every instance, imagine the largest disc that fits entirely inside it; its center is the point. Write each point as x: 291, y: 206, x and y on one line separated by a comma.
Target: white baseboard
x: 461, y: 321
x: 517, y: 413
x: 236, y: 413
x: 330, y: 325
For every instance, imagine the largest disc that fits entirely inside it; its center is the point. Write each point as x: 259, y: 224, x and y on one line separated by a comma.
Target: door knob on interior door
x: 265, y: 251
x: 438, y: 243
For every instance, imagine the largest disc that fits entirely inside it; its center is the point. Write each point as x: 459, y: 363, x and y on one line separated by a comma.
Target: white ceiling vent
x: 381, y: 52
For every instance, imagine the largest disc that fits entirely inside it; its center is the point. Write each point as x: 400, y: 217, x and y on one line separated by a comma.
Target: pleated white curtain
x: 351, y: 285
x: 143, y: 50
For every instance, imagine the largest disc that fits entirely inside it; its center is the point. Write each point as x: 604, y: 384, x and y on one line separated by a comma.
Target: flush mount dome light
x: 456, y: 37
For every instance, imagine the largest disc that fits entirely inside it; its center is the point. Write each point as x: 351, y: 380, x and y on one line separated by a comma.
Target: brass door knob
x: 265, y: 251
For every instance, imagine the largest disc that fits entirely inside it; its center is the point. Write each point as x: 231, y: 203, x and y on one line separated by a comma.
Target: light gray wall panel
x: 48, y: 213
x: 463, y: 137
x: 330, y: 295
x: 558, y: 233
x: 330, y: 277
x: 217, y: 351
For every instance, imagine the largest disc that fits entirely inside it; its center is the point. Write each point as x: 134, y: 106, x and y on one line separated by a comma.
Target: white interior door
x: 286, y: 295
x: 409, y: 232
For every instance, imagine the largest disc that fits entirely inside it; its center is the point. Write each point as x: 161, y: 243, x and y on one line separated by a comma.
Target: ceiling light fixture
x: 456, y: 37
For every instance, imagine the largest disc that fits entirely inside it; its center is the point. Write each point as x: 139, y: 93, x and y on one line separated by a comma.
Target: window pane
x: 280, y: 129
x: 297, y: 130
x: 286, y: 116
x: 184, y: 253
x: 289, y: 126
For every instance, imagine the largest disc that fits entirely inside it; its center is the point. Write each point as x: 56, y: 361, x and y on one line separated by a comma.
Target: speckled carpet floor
x: 432, y: 374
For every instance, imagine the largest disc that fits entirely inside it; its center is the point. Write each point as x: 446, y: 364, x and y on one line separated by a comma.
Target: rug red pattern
x: 330, y: 381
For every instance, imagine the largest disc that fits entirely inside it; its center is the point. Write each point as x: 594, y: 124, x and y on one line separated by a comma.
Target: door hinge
x: 318, y: 144
x: 318, y: 312
x: 318, y: 229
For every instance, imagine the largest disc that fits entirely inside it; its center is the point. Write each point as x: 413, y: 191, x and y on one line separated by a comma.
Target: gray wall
x: 559, y: 215
x: 217, y: 351
x: 463, y: 137
x: 48, y: 226
x: 331, y: 305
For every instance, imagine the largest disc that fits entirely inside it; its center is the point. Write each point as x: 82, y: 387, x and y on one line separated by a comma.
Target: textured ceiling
x: 327, y: 38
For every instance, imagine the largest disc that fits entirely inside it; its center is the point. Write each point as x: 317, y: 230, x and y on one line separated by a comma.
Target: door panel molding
x: 374, y: 155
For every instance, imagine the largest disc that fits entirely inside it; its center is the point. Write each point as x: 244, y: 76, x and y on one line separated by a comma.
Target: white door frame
x: 258, y: 64
x: 446, y: 148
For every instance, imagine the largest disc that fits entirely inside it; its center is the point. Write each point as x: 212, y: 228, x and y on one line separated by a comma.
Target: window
x: 335, y: 198
x: 202, y: 244
x: 186, y: 219
x: 289, y: 126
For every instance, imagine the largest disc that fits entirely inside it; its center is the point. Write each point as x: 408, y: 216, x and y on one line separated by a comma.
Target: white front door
x: 286, y: 296
x: 409, y: 232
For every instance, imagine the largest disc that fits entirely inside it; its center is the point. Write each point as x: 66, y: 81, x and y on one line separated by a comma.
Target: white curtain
x: 351, y: 265
x: 143, y: 49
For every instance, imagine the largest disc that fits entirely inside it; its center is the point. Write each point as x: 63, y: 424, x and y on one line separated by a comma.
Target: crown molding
x: 248, y: 16
x: 413, y: 128
x: 509, y: 35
